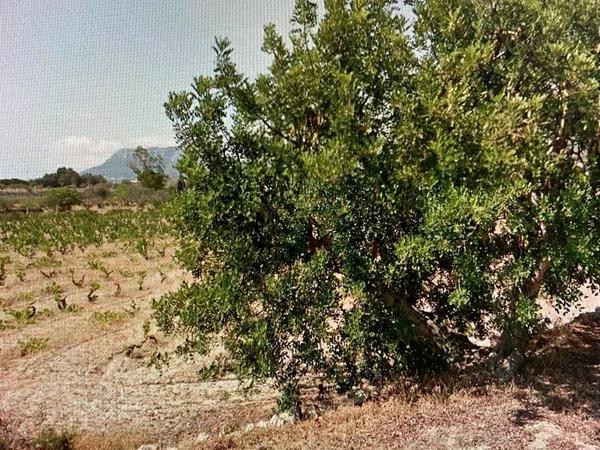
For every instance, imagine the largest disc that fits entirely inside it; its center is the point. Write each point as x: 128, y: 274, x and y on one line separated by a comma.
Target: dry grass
x: 555, y: 406
x: 131, y: 439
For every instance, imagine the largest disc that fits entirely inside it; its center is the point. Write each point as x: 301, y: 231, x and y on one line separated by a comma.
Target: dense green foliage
x: 63, y: 232
x: 67, y: 177
x: 63, y: 198
x: 377, y: 195
x: 149, y: 169
x: 127, y: 193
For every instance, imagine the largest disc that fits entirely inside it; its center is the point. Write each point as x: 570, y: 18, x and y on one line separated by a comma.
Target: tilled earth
x: 86, y: 380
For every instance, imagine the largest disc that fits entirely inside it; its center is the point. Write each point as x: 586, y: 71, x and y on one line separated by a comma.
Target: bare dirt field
x: 85, y: 376
x: 86, y: 369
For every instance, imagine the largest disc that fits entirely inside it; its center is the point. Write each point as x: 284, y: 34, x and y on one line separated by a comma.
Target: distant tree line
x: 13, y: 182
x: 61, y: 178
x: 68, y: 177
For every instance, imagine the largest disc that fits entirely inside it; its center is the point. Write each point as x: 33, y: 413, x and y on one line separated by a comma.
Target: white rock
x: 359, y: 396
x: 281, y: 419
x: 202, y: 437
x: 149, y: 447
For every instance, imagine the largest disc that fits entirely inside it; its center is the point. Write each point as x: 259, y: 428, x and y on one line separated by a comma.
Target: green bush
x: 149, y: 169
x: 152, y: 180
x: 6, y: 203
x: 97, y: 194
x: 379, y: 196
x: 62, y: 198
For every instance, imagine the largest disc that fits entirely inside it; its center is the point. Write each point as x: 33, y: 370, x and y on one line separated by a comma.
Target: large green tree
x: 380, y: 194
x: 148, y: 168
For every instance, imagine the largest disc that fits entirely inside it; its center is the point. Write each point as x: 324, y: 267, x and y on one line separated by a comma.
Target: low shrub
x: 62, y: 199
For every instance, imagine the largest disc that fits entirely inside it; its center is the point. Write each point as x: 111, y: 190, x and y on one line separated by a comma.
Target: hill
x: 116, y: 168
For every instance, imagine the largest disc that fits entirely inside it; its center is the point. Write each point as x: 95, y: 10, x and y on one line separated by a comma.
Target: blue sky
x: 80, y: 79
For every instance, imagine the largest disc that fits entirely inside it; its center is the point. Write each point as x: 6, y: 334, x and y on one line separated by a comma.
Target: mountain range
x: 117, y: 167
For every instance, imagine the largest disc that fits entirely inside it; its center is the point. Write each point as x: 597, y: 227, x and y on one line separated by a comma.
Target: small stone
x: 202, y: 437
x: 279, y: 419
x: 359, y: 396
x: 510, y: 367
x: 149, y: 447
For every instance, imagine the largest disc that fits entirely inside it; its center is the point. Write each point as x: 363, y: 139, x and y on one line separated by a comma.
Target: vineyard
x: 67, y: 231
x: 82, y: 360
x: 79, y: 348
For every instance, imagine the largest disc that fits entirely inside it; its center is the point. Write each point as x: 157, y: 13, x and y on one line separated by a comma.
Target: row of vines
x: 65, y: 232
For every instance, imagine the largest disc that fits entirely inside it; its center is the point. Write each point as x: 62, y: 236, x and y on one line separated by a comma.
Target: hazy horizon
x: 83, y: 79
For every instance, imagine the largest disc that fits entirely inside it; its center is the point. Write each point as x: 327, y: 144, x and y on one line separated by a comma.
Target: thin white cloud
x: 81, y: 152
x: 152, y: 141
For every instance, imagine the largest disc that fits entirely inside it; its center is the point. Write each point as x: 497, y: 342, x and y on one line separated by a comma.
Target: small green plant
x: 97, y: 265
x: 91, y: 296
x: 141, y: 276
x: 33, y: 345
x: 126, y: 273
x: 57, y: 294
x: 78, y: 283
x: 62, y: 199
x: 141, y: 245
x: 23, y: 316
x: 94, y: 264
x: 45, y: 262
x: 73, y: 309
x: 25, y: 297
x: 108, y: 317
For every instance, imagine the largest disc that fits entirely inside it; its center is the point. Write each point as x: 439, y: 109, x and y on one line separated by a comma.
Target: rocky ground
x: 86, y: 370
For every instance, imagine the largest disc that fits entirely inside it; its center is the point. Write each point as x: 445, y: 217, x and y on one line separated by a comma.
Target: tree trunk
x: 515, y: 337
x: 422, y: 326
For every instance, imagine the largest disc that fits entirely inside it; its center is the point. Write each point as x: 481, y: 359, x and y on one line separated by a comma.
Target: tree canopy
x: 68, y: 177
x: 149, y: 169
x: 380, y: 194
